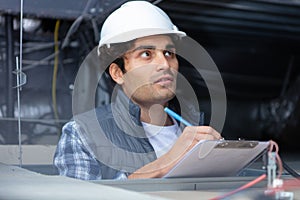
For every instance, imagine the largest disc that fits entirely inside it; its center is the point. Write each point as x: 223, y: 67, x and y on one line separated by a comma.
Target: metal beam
x: 11, y: 138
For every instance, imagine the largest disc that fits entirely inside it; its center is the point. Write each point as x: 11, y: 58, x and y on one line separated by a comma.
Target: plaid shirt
x: 73, y: 159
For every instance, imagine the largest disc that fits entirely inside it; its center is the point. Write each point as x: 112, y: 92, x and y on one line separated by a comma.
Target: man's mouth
x: 164, y: 80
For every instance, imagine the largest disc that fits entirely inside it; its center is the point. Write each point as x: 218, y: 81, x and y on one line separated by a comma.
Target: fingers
x: 208, y: 130
x: 191, y: 135
x: 202, y: 136
x: 203, y: 133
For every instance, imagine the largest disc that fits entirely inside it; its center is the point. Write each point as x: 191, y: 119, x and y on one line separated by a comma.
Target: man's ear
x: 116, y: 73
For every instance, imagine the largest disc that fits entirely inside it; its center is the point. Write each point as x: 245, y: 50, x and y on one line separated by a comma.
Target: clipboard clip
x: 237, y: 144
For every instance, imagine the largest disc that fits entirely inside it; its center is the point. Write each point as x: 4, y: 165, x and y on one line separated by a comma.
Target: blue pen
x: 176, y: 116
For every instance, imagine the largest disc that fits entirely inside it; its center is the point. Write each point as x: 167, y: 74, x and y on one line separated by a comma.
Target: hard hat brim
x: 135, y: 34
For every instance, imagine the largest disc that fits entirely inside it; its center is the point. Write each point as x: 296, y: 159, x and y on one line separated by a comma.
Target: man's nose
x: 161, y: 61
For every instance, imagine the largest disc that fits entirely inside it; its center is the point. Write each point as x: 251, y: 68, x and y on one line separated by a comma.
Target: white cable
x: 19, y: 74
x: 19, y: 111
x: 21, y: 35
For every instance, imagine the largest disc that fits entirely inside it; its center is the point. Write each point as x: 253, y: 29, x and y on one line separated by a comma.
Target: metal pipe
x: 10, y: 137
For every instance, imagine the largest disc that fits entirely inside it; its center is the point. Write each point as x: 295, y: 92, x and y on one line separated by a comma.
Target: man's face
x: 151, y: 70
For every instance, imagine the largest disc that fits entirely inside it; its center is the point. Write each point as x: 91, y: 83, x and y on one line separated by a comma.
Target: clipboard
x: 217, y: 158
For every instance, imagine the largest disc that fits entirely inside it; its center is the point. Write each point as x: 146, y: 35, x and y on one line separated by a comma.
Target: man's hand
x: 190, y: 136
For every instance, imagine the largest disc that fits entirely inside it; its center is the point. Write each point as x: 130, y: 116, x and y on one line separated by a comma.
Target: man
x: 132, y: 137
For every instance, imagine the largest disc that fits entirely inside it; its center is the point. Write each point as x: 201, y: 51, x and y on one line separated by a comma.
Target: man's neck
x: 155, y: 115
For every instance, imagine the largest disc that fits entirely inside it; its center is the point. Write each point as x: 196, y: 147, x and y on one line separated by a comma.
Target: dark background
x: 255, y: 45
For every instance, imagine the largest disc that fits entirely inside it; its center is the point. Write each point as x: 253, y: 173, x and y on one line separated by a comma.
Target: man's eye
x: 169, y: 54
x: 145, y: 54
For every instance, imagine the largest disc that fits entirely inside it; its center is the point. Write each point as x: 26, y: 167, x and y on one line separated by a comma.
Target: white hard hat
x: 136, y: 19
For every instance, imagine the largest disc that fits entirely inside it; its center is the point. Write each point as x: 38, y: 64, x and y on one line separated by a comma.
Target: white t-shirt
x: 161, y: 138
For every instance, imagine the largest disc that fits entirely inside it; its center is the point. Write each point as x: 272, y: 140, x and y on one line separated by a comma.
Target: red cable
x: 247, y: 185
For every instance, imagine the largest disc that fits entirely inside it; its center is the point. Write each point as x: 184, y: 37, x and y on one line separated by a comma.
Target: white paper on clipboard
x: 211, y: 158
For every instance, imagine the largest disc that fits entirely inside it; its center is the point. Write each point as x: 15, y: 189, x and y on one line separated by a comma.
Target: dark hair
x: 120, y: 62
x: 114, y: 54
